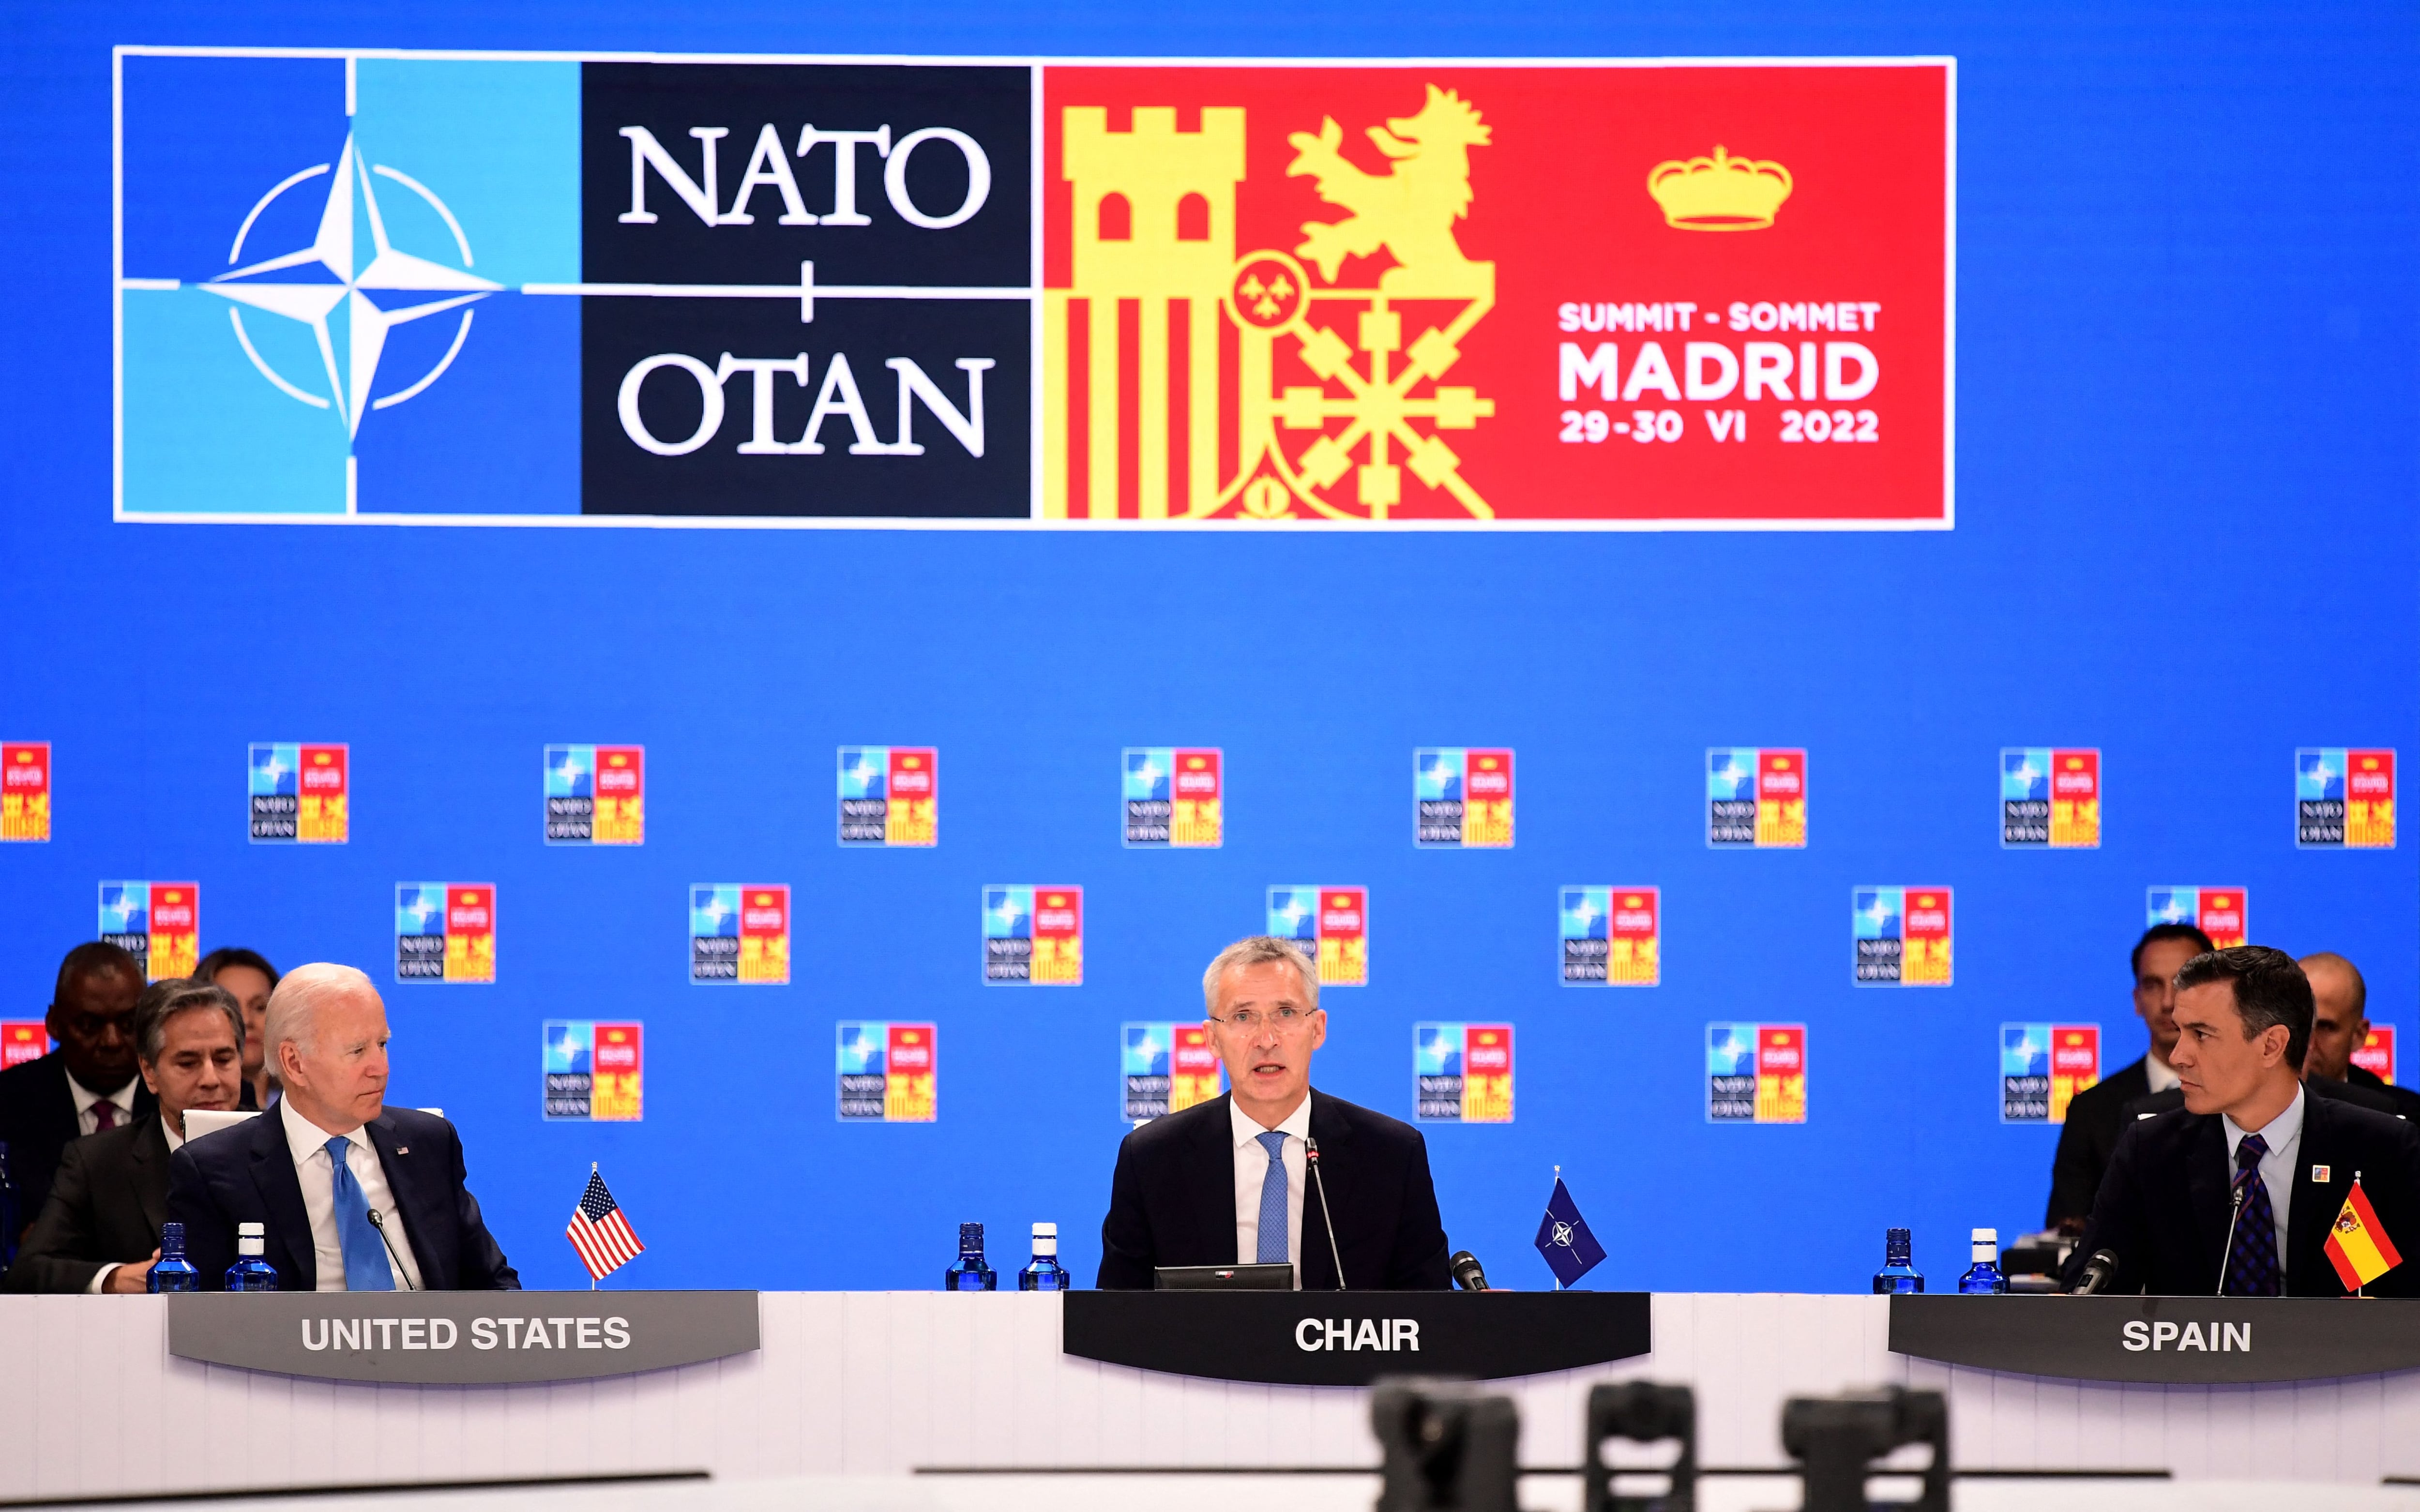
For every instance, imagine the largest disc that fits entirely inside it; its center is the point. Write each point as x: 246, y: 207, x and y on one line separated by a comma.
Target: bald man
x: 355, y: 1195
x: 2341, y: 1026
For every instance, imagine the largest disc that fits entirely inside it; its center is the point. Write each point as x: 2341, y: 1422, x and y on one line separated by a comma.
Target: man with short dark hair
x: 85, y: 1086
x: 2340, y: 1026
x: 99, y: 1231
x: 249, y: 979
x: 2236, y: 1192
x: 2097, y: 1115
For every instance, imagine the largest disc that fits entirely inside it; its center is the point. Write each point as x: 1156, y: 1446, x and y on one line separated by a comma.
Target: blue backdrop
x: 2185, y: 462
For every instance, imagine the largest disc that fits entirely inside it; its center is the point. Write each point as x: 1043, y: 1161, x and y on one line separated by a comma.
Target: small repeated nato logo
x: 1175, y: 796
x: 1756, y: 797
x: 595, y: 795
x: 1462, y: 798
x: 593, y: 1071
x: 1033, y: 936
x: 1330, y: 925
x: 1900, y: 936
x: 159, y: 924
x: 2049, y: 797
x: 1755, y: 1073
x: 298, y: 793
x: 887, y: 1073
x: 889, y: 795
x: 2043, y: 1066
x: 444, y: 933
x: 2220, y: 912
x: 1462, y: 1073
x: 1610, y: 936
x: 1168, y: 1068
x: 24, y: 791
x: 23, y: 1040
x: 2344, y: 799
x: 739, y: 932
x: 2376, y: 1053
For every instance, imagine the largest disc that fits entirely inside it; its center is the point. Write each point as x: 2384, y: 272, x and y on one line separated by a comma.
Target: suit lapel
x: 281, y: 1198
x: 147, y: 1170
x: 2206, y: 1190
x: 393, y: 1160
x: 1211, y: 1155
x: 2315, y: 1206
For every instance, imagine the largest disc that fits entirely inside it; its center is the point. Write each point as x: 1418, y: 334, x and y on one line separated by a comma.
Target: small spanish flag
x: 2358, y: 1246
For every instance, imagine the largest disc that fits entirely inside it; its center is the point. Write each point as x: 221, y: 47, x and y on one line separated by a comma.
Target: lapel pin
x: 2319, y: 1174
x: 405, y: 1149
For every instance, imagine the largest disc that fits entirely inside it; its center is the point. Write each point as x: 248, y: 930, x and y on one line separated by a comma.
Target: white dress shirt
x: 1251, y: 1171
x: 308, y: 1143
x: 2284, y: 1136
x: 89, y: 1122
x: 99, y: 1282
x: 2162, y: 1076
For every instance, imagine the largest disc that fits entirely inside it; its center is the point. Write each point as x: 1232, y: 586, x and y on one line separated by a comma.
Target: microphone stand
x: 2227, y: 1255
x: 380, y: 1223
x: 1311, y: 1158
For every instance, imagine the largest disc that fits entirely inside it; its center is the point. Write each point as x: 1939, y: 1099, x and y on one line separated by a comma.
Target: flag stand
x: 1559, y: 1276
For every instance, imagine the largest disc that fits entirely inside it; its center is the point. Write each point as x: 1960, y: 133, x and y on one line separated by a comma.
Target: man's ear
x: 150, y: 1082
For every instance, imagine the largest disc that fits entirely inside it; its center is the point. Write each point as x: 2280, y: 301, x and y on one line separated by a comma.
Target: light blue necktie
x: 1273, y: 1200
x: 366, y: 1266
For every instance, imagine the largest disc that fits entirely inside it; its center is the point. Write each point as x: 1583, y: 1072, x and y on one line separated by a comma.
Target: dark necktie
x: 105, y: 1115
x: 2252, y: 1268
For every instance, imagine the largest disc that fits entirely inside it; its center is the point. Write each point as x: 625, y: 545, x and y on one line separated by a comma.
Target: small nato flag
x: 1563, y: 1238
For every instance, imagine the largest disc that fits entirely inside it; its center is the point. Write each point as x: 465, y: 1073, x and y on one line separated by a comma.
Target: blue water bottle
x: 1044, y: 1272
x: 1899, y: 1272
x: 1984, y: 1279
x: 251, y: 1272
x: 970, y: 1271
x: 172, y: 1271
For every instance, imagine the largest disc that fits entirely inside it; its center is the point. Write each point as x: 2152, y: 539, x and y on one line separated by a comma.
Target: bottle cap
x: 1045, y: 1231
x: 971, y: 1236
x: 250, y: 1231
x: 172, y: 1232
x: 1987, y: 1236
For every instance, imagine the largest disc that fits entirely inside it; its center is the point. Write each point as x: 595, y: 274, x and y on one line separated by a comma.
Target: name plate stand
x: 1351, y: 1338
x: 2175, y: 1340
x: 460, y: 1338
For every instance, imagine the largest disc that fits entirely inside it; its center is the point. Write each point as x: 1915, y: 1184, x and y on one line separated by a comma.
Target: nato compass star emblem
x: 350, y: 303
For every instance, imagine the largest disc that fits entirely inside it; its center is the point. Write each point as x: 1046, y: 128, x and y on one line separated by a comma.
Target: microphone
x: 1467, y: 1274
x: 1311, y: 1158
x: 380, y: 1223
x: 2227, y: 1256
x: 2098, y: 1272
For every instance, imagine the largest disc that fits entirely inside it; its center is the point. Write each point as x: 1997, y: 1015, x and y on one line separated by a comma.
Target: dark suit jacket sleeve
x: 1128, y: 1260
x: 1418, y: 1261
x: 483, y: 1264
x: 53, y: 1258
x: 210, y: 1233
x: 2118, y: 1219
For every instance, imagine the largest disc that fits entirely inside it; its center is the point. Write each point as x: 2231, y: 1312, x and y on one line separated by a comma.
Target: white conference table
x: 884, y: 1383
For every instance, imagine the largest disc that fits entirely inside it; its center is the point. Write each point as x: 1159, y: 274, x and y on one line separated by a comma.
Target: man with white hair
x: 354, y: 1195
x: 1225, y: 1182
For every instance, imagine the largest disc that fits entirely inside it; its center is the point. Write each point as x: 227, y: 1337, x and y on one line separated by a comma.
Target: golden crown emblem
x: 1718, y: 194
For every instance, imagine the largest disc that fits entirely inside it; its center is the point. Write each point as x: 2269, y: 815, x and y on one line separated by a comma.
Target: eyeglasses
x: 1250, y: 1019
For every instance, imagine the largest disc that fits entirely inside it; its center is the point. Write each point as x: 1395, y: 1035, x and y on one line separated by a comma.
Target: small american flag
x: 599, y: 1232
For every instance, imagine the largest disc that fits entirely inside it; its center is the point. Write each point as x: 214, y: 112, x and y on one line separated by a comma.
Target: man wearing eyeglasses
x: 1232, y: 1181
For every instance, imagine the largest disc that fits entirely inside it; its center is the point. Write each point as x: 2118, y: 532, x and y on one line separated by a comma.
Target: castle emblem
x: 1173, y: 364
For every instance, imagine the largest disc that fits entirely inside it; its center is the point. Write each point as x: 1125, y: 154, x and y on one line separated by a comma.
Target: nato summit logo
x: 2344, y: 799
x: 1462, y: 1073
x: 739, y: 934
x: 445, y: 933
x: 2220, y: 912
x: 1175, y: 796
x: 1033, y: 936
x: 2050, y: 797
x: 159, y: 924
x: 505, y: 286
x: 889, y: 795
x: 1755, y: 797
x: 889, y: 1073
x: 1612, y: 936
x: 1901, y: 936
x: 1461, y: 798
x: 1755, y: 1073
x: 1330, y: 925
x: 298, y: 794
x: 595, y: 795
x: 594, y: 1072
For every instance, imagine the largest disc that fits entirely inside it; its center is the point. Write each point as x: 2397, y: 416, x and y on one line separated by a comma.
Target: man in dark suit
x: 2237, y: 1191
x: 2340, y: 1025
x: 1226, y: 1181
x: 2097, y: 1115
x: 354, y: 1195
x: 99, y: 1231
x: 85, y: 1086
